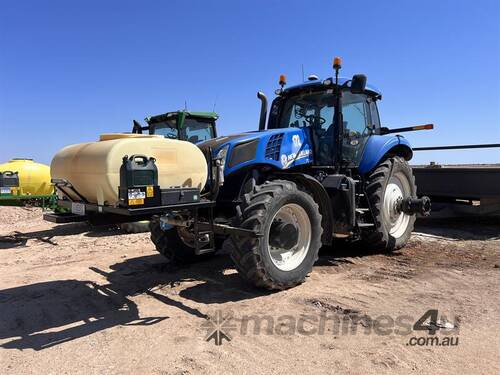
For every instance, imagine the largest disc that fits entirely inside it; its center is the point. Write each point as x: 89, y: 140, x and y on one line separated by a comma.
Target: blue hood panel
x: 280, y: 148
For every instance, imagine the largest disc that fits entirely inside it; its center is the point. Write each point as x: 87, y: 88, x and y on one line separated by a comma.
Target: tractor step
x: 362, y: 210
x: 365, y: 225
x: 205, y: 238
x: 204, y: 251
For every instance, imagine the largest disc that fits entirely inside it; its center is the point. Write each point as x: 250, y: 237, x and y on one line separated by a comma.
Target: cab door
x: 357, y: 126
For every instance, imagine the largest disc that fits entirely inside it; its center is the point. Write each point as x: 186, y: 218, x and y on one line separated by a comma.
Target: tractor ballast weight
x: 321, y: 167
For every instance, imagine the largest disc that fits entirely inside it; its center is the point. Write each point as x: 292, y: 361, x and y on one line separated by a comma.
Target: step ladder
x: 204, y: 236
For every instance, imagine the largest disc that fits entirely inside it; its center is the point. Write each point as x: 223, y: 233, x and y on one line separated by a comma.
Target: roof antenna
x: 215, y: 102
x: 185, y: 105
x: 303, y: 77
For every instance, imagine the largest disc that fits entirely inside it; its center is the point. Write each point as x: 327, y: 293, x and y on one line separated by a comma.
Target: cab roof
x: 342, y: 81
x: 164, y: 116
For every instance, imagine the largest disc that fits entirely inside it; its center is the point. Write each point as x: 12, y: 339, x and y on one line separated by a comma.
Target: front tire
x: 290, y: 224
x: 389, y: 183
x: 175, y: 248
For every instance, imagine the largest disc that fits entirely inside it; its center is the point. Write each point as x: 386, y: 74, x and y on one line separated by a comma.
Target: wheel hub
x: 289, y: 237
x: 397, y: 220
x: 283, y: 235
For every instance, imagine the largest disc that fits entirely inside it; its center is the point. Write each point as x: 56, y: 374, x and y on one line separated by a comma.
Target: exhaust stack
x: 263, y: 110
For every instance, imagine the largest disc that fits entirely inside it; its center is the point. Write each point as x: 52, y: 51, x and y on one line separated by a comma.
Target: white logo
x: 287, y: 160
x: 296, y: 141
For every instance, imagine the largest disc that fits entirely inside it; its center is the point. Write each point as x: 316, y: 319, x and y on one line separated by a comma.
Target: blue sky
x: 70, y: 70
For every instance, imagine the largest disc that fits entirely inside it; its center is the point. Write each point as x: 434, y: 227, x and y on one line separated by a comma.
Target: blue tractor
x: 322, y: 167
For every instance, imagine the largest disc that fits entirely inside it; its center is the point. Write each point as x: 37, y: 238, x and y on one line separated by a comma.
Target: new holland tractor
x: 320, y: 166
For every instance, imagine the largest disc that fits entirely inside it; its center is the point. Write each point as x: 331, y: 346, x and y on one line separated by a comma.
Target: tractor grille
x: 273, y: 146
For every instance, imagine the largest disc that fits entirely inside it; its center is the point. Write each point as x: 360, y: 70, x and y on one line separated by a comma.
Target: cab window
x: 167, y: 128
x: 307, y: 109
x: 196, y: 130
x: 356, y: 116
x: 374, y: 115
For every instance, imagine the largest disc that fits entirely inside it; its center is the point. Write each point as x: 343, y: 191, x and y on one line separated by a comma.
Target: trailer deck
x: 471, y: 182
x: 460, y: 190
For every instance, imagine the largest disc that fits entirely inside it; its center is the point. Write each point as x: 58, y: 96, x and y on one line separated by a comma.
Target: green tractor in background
x: 194, y: 127
x: 188, y: 126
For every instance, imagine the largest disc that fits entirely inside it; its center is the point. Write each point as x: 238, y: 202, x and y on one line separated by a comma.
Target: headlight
x: 221, y: 155
x: 220, y: 161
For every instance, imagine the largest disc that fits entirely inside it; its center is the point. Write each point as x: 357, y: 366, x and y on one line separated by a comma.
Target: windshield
x: 197, y: 130
x: 308, y: 109
x: 167, y: 128
x: 316, y: 110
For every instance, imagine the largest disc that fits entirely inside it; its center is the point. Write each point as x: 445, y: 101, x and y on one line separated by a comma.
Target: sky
x: 71, y: 70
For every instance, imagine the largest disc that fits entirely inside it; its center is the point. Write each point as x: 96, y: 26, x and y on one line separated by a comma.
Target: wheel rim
x: 289, y: 258
x: 396, y: 190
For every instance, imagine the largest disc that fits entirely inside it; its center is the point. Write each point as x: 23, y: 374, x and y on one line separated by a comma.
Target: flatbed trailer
x: 460, y: 190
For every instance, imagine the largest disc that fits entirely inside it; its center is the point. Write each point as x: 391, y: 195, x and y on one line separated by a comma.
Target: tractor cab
x: 312, y: 106
x: 193, y: 127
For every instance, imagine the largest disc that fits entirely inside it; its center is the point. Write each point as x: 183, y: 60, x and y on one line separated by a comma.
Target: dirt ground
x: 76, y: 300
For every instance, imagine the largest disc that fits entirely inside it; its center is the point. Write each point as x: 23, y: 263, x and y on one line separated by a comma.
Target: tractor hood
x: 216, y: 143
x: 278, y: 148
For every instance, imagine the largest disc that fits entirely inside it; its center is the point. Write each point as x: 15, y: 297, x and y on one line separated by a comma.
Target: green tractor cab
x: 188, y: 126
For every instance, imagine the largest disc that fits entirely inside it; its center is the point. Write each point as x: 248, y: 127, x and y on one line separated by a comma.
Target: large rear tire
x: 172, y: 245
x: 389, y: 183
x: 290, y: 224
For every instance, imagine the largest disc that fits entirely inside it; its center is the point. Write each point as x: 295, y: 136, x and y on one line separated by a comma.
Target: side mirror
x: 358, y: 83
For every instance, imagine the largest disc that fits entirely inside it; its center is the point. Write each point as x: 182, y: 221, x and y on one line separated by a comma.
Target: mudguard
x: 379, y: 145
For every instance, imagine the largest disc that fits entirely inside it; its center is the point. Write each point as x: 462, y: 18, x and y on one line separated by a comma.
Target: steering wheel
x: 316, y: 120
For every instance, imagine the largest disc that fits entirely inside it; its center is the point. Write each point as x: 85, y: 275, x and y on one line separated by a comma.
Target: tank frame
x: 201, y: 213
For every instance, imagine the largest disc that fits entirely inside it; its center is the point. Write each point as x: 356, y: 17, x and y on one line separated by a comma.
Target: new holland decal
x: 298, y: 152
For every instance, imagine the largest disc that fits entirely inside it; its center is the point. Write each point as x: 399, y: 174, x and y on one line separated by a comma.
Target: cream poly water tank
x: 94, y: 168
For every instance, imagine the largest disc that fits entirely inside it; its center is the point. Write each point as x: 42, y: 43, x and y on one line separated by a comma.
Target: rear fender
x: 378, y: 146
